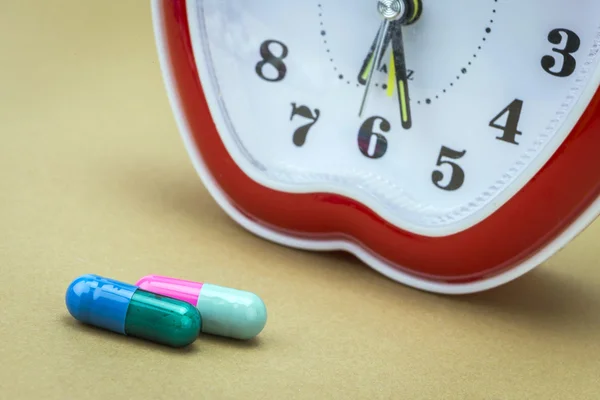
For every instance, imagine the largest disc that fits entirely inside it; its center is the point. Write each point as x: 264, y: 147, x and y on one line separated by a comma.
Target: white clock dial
x: 495, y: 87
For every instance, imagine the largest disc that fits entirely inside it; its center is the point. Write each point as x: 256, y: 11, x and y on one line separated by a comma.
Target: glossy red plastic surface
x: 544, y: 208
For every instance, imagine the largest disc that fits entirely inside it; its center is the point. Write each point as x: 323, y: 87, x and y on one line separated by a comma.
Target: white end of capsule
x: 231, y: 312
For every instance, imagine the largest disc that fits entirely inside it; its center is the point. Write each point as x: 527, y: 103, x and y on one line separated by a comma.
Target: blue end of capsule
x: 99, y: 301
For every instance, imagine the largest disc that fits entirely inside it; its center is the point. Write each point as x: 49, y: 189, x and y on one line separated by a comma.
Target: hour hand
x: 377, y: 54
x: 369, y: 63
x: 398, y: 70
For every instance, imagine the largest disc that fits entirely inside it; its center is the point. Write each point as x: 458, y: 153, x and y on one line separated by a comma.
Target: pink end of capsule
x: 179, y: 289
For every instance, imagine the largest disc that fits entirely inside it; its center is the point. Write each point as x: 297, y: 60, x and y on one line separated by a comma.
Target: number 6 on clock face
x: 473, y: 160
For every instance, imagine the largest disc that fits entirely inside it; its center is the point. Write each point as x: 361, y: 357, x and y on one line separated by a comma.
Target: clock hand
x: 368, y: 63
x: 390, y: 10
x: 378, y: 54
x: 395, y: 14
x: 398, y: 70
x: 412, y: 12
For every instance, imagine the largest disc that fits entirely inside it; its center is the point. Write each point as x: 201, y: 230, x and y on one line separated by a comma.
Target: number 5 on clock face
x: 497, y: 169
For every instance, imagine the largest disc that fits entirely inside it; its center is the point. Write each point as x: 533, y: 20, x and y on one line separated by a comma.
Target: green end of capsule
x: 162, y: 319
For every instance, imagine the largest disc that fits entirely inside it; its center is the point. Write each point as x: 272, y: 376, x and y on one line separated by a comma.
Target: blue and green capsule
x: 129, y: 310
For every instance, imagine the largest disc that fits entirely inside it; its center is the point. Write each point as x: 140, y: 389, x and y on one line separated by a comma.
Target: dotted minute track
x: 463, y: 71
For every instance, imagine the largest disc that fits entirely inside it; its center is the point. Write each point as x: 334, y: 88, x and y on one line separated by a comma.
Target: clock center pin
x: 391, y: 9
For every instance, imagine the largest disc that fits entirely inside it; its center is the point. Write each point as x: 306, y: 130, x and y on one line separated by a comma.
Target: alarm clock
x: 451, y: 146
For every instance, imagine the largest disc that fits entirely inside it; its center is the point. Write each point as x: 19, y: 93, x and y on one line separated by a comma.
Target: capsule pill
x: 131, y: 311
x: 225, y: 312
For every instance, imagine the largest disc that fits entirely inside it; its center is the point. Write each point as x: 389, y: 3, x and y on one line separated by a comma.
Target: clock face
x: 492, y: 88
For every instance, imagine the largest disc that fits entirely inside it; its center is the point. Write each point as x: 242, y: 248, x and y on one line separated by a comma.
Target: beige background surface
x: 94, y: 178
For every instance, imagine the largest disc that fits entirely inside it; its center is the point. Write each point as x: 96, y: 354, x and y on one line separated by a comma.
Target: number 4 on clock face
x: 501, y: 123
x: 511, y: 127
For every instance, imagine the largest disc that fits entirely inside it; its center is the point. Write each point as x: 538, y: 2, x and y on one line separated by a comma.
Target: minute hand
x: 401, y: 76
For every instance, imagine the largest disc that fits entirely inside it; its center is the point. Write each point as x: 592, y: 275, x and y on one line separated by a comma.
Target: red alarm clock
x: 450, y: 145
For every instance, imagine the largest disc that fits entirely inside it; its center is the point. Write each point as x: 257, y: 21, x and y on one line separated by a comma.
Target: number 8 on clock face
x: 451, y: 146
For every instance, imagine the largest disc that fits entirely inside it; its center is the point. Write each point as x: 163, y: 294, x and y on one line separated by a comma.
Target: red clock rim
x: 553, y: 200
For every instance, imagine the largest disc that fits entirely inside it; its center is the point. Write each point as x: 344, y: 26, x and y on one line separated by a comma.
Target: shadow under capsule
x: 113, y: 337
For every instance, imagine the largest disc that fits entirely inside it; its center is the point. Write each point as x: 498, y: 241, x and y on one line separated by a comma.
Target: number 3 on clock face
x: 472, y: 159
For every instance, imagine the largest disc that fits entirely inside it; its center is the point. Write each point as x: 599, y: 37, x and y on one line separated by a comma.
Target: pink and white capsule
x: 225, y: 312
